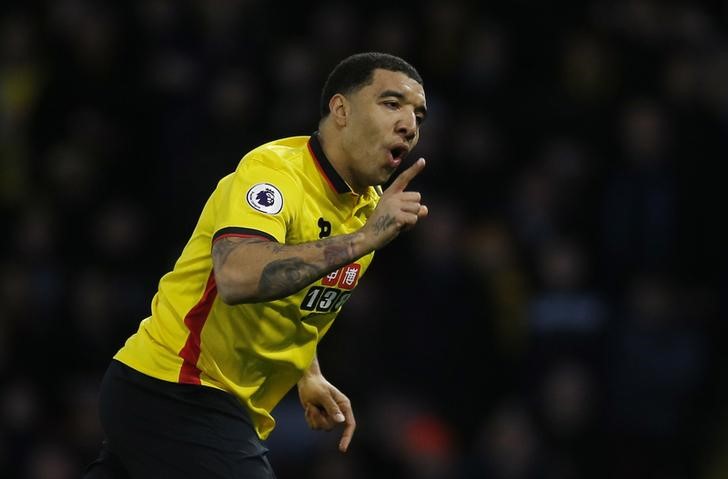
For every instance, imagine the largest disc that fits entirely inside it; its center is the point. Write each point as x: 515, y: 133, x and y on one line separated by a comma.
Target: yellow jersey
x: 285, y: 191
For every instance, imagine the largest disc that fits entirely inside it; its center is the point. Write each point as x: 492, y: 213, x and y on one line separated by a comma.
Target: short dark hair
x: 357, y: 71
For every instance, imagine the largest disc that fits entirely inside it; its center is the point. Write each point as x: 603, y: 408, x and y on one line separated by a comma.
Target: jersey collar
x: 325, y: 167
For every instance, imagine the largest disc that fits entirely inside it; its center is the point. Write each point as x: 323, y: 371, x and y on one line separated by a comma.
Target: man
x: 279, y: 247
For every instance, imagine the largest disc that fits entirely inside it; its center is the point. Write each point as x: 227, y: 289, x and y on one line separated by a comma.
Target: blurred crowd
x: 560, y: 314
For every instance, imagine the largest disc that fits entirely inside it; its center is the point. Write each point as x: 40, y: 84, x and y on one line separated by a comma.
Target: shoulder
x: 284, y: 155
x: 273, y: 170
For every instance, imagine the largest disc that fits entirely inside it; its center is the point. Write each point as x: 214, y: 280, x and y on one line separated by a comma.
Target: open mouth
x: 398, y: 153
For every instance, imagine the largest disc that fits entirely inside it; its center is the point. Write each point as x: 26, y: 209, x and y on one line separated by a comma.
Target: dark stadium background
x: 561, y: 314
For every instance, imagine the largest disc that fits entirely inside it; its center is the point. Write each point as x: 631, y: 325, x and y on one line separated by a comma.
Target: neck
x: 330, y: 140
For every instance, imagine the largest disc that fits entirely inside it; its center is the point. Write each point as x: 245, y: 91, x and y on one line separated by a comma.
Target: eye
x: 391, y: 104
x: 420, y: 119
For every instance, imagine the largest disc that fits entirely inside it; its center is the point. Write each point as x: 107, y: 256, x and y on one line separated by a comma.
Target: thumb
x: 332, y: 409
x: 401, y: 182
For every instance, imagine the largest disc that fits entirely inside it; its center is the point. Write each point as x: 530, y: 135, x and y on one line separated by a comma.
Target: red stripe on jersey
x: 195, y: 321
x: 243, y: 233
x: 239, y: 235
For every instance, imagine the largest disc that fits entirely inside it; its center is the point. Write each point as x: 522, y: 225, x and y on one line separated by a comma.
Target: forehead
x: 385, y: 80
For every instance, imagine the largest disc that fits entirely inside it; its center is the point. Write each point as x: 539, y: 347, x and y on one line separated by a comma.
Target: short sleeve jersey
x: 284, y: 191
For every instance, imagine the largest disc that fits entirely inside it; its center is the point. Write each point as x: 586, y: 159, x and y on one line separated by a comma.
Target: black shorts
x: 157, y: 429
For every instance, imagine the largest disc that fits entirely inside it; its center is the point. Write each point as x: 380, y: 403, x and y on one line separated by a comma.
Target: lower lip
x: 394, y: 162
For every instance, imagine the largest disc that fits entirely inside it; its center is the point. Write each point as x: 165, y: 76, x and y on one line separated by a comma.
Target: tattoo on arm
x: 383, y: 222
x: 275, y: 247
x: 222, y: 248
x: 286, y: 276
x: 337, y: 253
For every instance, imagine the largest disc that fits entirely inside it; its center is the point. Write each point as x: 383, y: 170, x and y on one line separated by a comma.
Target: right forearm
x: 299, y: 265
x: 252, y: 270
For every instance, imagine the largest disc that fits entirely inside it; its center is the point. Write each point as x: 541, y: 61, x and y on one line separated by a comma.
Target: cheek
x: 369, y: 132
x: 367, y: 139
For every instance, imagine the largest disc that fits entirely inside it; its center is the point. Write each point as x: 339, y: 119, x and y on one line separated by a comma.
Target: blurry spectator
x: 508, y: 446
x: 412, y: 440
x: 565, y: 304
x: 50, y: 460
x: 445, y: 322
x: 21, y: 415
x: 501, y: 284
x: 574, y: 172
x: 21, y: 80
x: 334, y: 31
x: 639, y: 210
x: 477, y: 164
x: 390, y: 32
x: 569, y: 412
x: 295, y: 100
x: 447, y: 27
x: 486, y: 60
x: 656, y: 369
x: 532, y: 207
x: 588, y: 71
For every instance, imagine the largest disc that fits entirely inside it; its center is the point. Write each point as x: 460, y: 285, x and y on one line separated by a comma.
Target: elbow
x: 235, y: 289
x: 231, y: 297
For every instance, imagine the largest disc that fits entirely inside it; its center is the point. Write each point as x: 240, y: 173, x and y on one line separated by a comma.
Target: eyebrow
x: 419, y: 109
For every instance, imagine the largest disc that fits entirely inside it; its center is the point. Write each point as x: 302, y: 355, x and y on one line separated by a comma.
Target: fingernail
x: 339, y: 417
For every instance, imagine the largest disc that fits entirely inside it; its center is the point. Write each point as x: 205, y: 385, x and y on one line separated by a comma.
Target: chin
x: 385, y: 178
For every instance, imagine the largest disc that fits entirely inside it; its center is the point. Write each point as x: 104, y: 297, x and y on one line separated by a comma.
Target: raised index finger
x: 401, y: 182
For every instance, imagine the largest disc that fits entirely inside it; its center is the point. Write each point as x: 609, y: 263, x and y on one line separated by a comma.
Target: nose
x: 407, y: 125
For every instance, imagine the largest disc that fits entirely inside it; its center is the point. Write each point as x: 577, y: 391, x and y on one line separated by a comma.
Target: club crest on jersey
x: 265, y: 198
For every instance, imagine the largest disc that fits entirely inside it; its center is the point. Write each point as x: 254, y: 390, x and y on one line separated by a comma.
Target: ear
x: 339, y: 108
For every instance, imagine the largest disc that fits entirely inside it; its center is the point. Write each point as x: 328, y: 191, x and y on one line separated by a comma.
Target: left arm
x: 324, y: 405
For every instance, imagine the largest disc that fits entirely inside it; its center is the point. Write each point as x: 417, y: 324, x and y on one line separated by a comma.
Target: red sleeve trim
x: 242, y: 233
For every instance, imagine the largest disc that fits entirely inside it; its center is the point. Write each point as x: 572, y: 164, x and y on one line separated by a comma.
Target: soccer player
x: 278, y: 249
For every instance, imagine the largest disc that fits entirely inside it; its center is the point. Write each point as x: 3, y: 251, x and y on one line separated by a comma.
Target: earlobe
x: 339, y: 109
